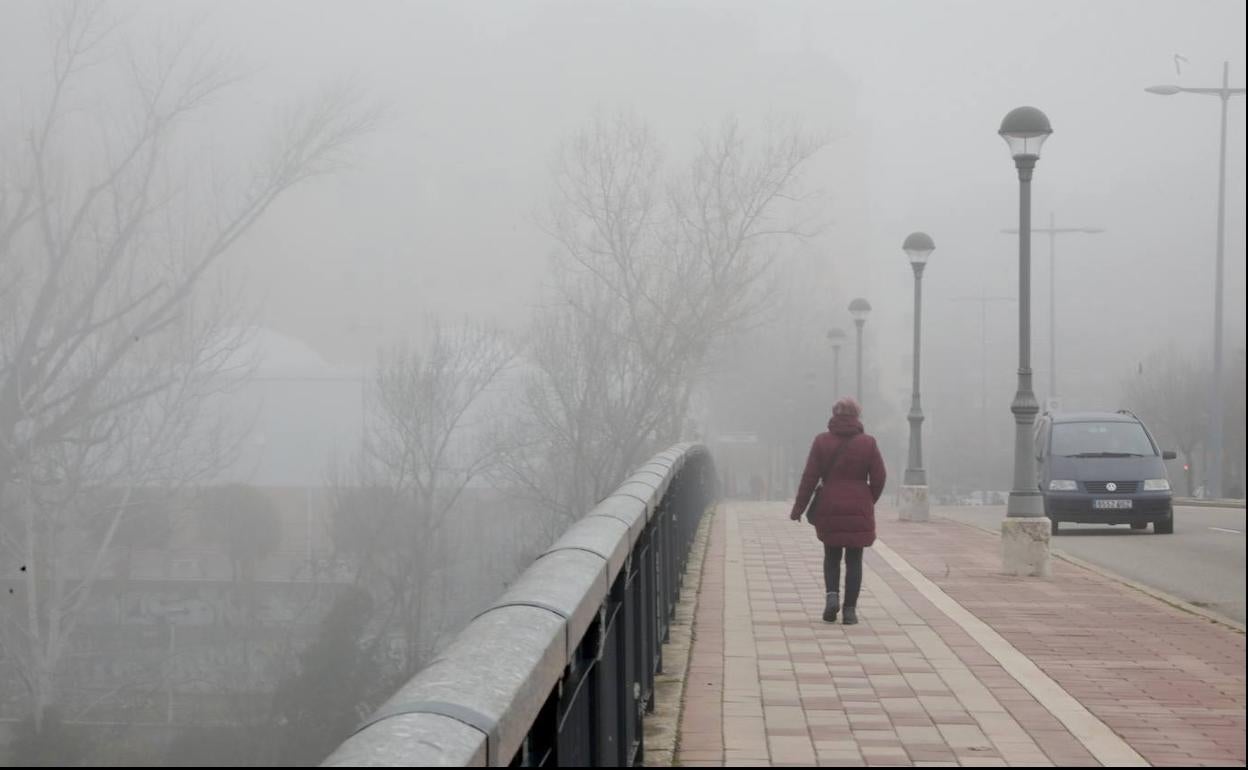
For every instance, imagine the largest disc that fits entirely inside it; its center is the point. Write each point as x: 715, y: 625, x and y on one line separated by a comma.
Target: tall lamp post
x: 168, y: 616
x: 914, y: 502
x: 1215, y: 440
x: 1053, y: 231
x: 983, y: 299
x: 1026, y: 531
x: 859, y: 309
x: 836, y: 338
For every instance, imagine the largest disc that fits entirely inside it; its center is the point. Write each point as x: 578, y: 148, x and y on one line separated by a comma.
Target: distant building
x: 302, y: 413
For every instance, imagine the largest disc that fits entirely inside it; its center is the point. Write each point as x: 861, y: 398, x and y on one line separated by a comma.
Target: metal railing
x: 560, y: 670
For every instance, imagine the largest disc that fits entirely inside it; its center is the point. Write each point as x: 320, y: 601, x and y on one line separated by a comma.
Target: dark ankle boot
x: 851, y: 616
x: 831, y: 606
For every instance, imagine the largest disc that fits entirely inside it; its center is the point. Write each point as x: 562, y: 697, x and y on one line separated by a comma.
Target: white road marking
x: 1231, y: 531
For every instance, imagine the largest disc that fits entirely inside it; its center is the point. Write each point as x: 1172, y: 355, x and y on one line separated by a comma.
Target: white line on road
x: 1231, y: 531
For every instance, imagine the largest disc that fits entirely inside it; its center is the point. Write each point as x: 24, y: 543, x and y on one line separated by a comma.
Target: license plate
x: 1103, y: 504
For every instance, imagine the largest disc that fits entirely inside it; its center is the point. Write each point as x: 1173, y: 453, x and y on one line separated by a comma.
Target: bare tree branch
x: 657, y: 266
x: 111, y: 348
x: 431, y: 436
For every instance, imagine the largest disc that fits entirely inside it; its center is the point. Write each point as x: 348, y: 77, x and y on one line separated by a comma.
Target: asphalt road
x: 1202, y: 562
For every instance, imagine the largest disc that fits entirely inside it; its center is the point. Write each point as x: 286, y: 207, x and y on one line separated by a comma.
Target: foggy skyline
x: 440, y: 215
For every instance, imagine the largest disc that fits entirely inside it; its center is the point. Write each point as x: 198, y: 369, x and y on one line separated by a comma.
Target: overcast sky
x: 440, y: 213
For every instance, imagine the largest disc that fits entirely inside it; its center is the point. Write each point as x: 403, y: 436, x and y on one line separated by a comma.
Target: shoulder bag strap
x: 836, y: 455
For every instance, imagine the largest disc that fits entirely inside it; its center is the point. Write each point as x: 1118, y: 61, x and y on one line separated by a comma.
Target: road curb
x: 1233, y: 505
x: 1170, y: 599
x: 1174, y: 601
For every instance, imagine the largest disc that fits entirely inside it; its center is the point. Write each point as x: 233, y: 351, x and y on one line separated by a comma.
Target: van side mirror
x: 1169, y: 455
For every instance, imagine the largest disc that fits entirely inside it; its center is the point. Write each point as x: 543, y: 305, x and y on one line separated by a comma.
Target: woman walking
x: 845, y: 474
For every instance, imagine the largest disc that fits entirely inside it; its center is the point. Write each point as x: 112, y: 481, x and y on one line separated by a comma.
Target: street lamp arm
x: 1171, y: 90
x: 1223, y: 92
x: 1058, y: 230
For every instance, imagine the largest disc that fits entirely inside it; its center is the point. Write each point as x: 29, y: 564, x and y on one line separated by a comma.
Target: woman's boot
x: 831, y: 606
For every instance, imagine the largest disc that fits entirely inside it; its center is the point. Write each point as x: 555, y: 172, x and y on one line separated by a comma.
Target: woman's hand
x: 795, y: 516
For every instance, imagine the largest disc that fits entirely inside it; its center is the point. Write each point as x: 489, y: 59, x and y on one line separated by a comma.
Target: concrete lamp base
x: 913, y: 503
x: 1025, y: 546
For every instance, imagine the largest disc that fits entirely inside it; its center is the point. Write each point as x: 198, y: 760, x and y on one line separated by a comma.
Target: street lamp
x: 859, y: 309
x: 1053, y: 231
x: 836, y: 338
x: 914, y: 505
x: 1025, y: 533
x: 1214, y: 466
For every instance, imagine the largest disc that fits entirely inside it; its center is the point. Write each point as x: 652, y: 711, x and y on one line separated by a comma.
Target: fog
x: 430, y: 265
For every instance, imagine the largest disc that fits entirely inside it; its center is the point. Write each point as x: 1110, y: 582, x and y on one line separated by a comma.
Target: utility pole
x: 984, y: 299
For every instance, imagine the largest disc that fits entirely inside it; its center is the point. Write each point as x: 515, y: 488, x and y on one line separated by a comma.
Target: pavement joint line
x: 1156, y: 593
x: 1231, y: 531
x: 1103, y: 743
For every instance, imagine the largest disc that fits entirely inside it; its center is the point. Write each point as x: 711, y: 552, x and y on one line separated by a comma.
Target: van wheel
x: 1139, y: 525
x: 1165, y: 526
x: 1053, y: 527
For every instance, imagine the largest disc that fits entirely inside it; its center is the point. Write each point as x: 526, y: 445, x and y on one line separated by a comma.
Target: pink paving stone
x: 1187, y: 683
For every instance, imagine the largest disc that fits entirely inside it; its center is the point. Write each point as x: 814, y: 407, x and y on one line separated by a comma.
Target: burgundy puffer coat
x: 845, y: 515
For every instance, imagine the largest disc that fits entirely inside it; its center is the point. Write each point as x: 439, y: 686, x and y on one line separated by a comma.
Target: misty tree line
x: 1170, y: 390
x: 117, y: 339
x: 114, y: 340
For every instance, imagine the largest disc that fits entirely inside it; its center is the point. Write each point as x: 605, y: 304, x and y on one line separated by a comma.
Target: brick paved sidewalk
x: 953, y: 663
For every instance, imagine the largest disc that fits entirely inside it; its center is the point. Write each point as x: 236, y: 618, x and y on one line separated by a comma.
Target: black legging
x: 853, y: 572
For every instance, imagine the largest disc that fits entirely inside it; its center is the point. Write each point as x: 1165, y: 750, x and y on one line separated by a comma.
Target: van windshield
x: 1101, y: 439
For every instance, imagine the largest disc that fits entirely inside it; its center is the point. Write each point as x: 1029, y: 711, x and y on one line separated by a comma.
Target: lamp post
x: 1053, y: 231
x: 859, y: 309
x: 168, y: 616
x: 792, y: 437
x: 914, y: 502
x: 836, y: 338
x: 1025, y: 533
x: 1215, y: 440
x: 983, y: 299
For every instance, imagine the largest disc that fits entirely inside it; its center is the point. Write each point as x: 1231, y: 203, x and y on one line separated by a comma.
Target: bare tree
x: 1169, y: 391
x: 430, y: 436
x: 1236, y: 429
x: 243, y: 521
x: 110, y: 344
x: 656, y: 265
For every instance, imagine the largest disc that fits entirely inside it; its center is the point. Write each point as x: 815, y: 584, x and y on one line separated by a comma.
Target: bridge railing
x: 560, y: 670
